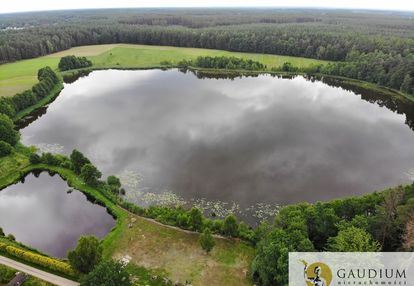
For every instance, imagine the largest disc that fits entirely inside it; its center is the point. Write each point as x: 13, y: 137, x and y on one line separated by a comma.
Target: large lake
x: 245, y: 141
x: 44, y: 213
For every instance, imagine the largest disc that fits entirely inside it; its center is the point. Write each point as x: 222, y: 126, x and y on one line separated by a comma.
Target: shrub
x: 353, y: 239
x: 108, y: 273
x: 78, y: 161
x: 1, y: 232
x: 50, y: 159
x: 34, y: 158
x: 246, y: 232
x: 230, y: 226
x: 86, y: 255
x: 196, y: 219
x: 288, y: 67
x: 217, y: 226
x: 206, y: 240
x: 73, y: 62
x: 90, y: 174
x: 38, y: 259
x: 6, y: 274
x: 113, y: 181
x: 5, y: 149
x: 165, y: 63
x: 7, y: 132
x: 7, y: 107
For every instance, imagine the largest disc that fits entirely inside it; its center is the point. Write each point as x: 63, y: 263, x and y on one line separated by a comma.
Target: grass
x: 133, y: 56
x: 155, y: 249
x: 179, y: 255
x: 19, y: 76
x: 7, y: 274
x: 167, y: 250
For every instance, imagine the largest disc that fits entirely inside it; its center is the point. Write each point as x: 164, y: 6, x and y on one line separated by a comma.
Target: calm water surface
x: 247, y: 140
x: 40, y: 213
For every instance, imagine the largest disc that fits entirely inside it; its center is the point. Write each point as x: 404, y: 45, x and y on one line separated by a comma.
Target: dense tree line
x: 374, y: 46
x: 47, y: 81
x: 231, y: 63
x: 72, y: 62
x: 379, y: 221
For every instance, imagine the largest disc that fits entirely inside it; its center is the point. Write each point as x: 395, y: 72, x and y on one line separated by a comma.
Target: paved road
x: 51, y: 278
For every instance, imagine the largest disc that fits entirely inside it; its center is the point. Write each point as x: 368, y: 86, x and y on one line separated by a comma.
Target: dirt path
x: 177, y: 228
x: 51, y: 278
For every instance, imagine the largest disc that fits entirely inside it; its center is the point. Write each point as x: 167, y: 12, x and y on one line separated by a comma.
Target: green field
x: 21, y: 75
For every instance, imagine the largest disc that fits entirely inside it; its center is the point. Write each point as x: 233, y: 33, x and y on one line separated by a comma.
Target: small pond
x: 43, y: 212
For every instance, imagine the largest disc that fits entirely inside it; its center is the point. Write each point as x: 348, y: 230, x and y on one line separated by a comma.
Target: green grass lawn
x: 21, y: 75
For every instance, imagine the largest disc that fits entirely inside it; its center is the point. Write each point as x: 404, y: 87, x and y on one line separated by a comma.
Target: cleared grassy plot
x: 84, y: 51
x: 19, y: 76
x: 22, y: 75
x: 142, y: 56
x: 179, y: 255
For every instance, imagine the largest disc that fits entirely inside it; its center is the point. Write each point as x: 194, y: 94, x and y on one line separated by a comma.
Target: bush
x: 5, y: 149
x: 38, y: 259
x: 108, y: 273
x: 113, y: 181
x: 196, y: 219
x: 353, y: 239
x: 217, y: 226
x: 86, y: 255
x: 7, y: 132
x: 90, y: 174
x: 230, y: 63
x: 165, y: 63
x: 230, y: 226
x: 246, y: 232
x: 34, y: 158
x: 6, y: 274
x: 288, y: 67
x: 73, y: 62
x: 7, y: 107
x: 78, y: 161
x: 50, y: 159
x: 206, y: 240
x: 1, y: 232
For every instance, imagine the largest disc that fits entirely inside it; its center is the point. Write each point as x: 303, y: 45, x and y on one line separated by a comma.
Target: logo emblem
x: 317, y: 274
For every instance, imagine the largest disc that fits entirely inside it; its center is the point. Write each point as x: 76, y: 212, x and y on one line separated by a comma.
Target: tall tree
x: 7, y: 132
x: 86, y: 255
x: 90, y: 174
x: 353, y: 239
x: 206, y: 240
x: 107, y: 273
x: 78, y: 161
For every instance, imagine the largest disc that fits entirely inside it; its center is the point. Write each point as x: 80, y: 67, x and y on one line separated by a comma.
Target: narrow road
x: 51, y: 278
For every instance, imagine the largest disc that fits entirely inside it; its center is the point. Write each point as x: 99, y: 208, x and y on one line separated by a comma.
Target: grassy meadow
x: 19, y: 76
x: 179, y: 256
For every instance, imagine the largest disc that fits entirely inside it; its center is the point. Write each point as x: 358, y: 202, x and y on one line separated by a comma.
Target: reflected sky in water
x: 39, y: 213
x: 246, y: 140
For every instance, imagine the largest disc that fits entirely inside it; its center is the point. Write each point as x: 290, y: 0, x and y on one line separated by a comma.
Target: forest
x: 372, y: 46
